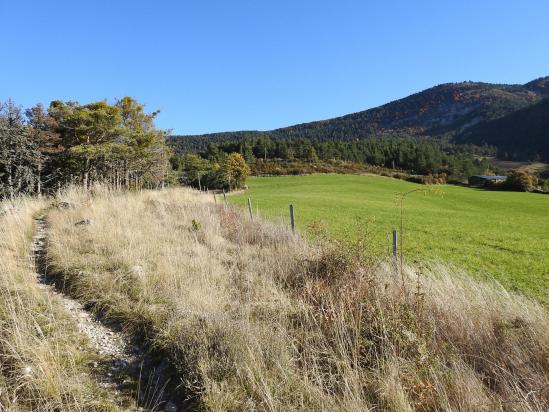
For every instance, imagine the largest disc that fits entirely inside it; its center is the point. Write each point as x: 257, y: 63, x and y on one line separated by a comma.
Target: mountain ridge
x: 444, y: 110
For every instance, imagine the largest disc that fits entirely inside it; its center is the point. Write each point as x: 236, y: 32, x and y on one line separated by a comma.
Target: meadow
x: 499, y: 235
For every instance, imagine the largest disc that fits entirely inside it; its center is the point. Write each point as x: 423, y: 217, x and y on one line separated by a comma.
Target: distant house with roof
x: 486, y: 180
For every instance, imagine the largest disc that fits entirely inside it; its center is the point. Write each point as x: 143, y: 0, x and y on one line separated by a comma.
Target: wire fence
x: 221, y: 196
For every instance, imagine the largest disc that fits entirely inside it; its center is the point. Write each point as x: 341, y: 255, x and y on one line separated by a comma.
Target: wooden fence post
x: 215, y: 199
x: 395, y: 242
x: 292, y: 218
x: 250, y: 209
x: 225, y: 198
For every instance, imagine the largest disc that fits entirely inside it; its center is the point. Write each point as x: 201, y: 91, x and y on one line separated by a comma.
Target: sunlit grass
x: 504, y: 235
x: 252, y: 317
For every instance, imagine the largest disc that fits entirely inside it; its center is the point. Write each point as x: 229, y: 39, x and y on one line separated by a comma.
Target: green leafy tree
x: 192, y: 168
x: 146, y: 154
x: 311, y: 155
x: 90, y: 133
x: 118, y: 144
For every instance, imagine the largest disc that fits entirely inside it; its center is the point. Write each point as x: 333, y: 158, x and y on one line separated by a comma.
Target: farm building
x: 486, y: 180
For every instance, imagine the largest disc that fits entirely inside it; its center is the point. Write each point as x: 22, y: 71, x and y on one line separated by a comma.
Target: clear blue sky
x: 232, y: 65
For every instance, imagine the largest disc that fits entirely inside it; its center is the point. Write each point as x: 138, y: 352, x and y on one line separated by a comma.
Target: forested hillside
x: 521, y: 134
x: 446, y: 111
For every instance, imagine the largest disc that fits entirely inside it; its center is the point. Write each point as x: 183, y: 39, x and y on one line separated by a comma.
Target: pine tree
x: 42, y: 130
x: 18, y: 154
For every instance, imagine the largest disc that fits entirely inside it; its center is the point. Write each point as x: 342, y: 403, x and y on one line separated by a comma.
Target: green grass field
x: 502, y: 235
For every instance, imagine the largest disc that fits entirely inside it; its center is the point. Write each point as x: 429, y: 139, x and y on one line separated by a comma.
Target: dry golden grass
x: 254, y: 318
x: 43, y: 361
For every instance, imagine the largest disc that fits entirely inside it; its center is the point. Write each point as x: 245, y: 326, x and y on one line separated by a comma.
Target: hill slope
x: 447, y: 109
x: 521, y: 134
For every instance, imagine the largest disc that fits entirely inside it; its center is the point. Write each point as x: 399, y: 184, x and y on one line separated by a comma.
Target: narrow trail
x: 124, y: 369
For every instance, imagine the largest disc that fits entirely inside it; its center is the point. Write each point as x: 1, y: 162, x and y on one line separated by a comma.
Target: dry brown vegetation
x: 44, y: 360
x: 255, y: 318
x: 534, y: 168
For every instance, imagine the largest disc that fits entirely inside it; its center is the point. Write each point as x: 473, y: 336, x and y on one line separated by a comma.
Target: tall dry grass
x: 43, y: 357
x: 254, y: 318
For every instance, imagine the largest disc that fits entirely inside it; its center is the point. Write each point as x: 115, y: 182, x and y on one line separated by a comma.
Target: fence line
x: 394, y: 248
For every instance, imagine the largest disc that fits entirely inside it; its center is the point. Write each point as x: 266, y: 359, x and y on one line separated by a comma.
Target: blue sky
x: 233, y: 65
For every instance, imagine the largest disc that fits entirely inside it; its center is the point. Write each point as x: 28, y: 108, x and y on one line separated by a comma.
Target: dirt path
x: 124, y: 368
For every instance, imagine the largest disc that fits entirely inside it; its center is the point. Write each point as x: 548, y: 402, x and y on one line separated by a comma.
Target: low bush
x: 520, y: 181
x: 431, y: 179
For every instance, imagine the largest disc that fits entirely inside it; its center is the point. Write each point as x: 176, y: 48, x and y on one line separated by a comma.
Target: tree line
x: 415, y: 155
x: 43, y: 149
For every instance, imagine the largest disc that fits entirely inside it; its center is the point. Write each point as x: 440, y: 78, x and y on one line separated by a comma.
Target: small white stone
x: 137, y: 270
x: 170, y: 407
x: 26, y: 371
